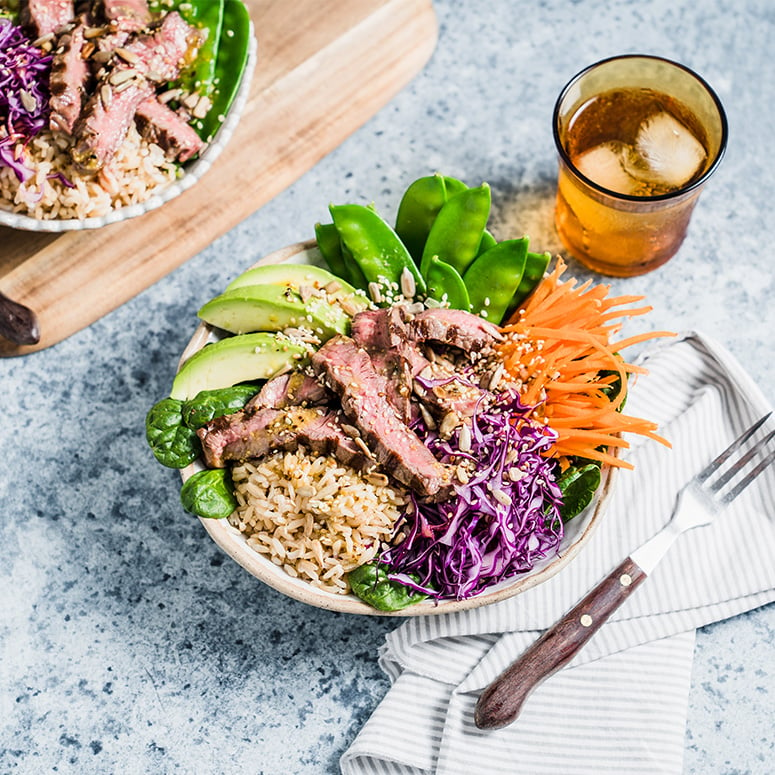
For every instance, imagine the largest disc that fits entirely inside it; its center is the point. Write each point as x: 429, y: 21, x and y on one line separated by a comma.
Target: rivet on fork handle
x: 502, y: 701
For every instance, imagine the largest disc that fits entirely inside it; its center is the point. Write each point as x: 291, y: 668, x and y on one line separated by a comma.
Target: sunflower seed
x: 427, y: 418
x: 202, y: 107
x: 117, y: 77
x: 127, y: 55
x: 462, y: 474
x: 106, y: 95
x: 93, y: 32
x: 43, y: 39
x: 28, y: 101
x: 102, y: 57
x: 464, y: 439
x: 448, y: 424
x: 502, y: 497
x: 495, y: 379
x: 170, y: 94
x: 408, y: 285
x: 375, y: 292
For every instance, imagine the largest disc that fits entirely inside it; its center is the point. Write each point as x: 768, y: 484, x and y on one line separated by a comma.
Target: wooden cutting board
x: 324, y: 68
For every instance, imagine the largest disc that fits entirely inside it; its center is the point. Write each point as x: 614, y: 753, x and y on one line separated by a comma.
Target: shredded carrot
x: 559, y: 347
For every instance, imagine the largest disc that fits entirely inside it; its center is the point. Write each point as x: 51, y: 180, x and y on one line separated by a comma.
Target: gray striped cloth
x: 622, y: 701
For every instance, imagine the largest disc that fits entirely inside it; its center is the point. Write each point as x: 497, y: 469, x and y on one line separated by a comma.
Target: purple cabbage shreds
x: 24, y: 93
x: 498, y: 524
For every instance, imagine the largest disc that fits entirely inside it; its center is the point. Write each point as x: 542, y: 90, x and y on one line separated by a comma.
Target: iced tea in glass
x: 638, y: 137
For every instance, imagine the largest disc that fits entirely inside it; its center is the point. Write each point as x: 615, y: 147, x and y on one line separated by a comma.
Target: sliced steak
x: 45, y: 17
x: 292, y: 389
x: 245, y: 434
x: 159, y: 55
x: 129, y: 15
x: 104, y: 122
x: 454, y: 327
x: 161, y: 125
x: 348, y: 370
x: 385, y: 334
x: 69, y: 80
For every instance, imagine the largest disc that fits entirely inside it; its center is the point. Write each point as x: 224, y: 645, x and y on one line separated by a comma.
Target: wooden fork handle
x: 502, y: 701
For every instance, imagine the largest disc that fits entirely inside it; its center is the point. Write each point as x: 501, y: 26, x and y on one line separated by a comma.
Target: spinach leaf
x: 173, y: 444
x: 209, y: 494
x: 578, y: 485
x: 370, y: 583
x: 208, y: 404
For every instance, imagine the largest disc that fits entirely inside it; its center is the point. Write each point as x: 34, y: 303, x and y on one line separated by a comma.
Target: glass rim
x: 631, y: 197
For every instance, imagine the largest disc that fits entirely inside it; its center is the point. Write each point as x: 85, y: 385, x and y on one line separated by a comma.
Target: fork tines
x: 737, y: 467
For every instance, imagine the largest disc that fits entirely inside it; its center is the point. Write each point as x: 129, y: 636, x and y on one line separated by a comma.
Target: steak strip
x: 45, y: 17
x: 68, y: 81
x: 245, y: 434
x: 161, y: 125
x: 454, y: 327
x: 348, y: 371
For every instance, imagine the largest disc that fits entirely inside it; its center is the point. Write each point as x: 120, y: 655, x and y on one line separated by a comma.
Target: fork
x: 697, y: 504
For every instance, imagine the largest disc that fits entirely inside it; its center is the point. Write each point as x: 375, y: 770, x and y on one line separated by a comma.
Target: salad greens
x: 578, y: 485
x: 173, y: 444
x: 209, y: 494
x: 170, y: 425
x: 208, y: 404
x: 371, y: 583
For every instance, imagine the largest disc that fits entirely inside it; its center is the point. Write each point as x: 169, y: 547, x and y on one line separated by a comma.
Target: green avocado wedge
x: 236, y: 359
x: 274, y: 308
x: 298, y: 276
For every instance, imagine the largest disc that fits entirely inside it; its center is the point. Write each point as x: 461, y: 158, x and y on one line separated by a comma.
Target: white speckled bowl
x: 234, y: 543
x: 192, y: 171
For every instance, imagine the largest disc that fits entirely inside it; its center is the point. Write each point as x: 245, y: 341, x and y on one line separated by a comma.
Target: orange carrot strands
x: 560, y: 347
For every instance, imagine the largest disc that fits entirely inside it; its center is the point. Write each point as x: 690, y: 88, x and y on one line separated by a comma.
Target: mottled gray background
x: 129, y: 643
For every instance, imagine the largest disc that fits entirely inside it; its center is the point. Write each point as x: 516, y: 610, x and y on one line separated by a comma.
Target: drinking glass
x: 613, y: 227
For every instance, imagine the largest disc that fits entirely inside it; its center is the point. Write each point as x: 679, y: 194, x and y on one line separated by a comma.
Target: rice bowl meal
x: 421, y: 419
x: 107, y: 105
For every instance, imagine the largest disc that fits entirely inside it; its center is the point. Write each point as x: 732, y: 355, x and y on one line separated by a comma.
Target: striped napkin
x: 623, y: 699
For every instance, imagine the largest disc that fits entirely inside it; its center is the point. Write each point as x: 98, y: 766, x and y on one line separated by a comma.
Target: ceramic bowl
x: 234, y: 543
x: 193, y: 171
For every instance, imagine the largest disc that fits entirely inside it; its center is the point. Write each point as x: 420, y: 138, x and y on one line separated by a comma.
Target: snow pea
x: 535, y: 266
x: 493, y: 278
x: 419, y: 207
x: 457, y: 231
x: 488, y: 241
x: 229, y: 66
x: 353, y: 269
x: 331, y: 249
x: 446, y: 284
x: 375, y: 247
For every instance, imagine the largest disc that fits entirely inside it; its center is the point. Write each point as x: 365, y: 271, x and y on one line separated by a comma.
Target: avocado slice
x: 236, y: 359
x: 296, y: 276
x: 274, y: 308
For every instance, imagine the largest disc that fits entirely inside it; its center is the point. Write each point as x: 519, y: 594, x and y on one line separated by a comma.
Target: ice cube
x: 604, y: 164
x: 666, y: 152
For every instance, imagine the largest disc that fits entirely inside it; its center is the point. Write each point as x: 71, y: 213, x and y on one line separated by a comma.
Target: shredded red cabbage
x: 24, y: 95
x: 498, y: 524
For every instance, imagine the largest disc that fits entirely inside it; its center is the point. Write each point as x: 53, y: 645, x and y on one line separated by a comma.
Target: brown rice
x: 313, y: 517
x: 138, y: 170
